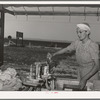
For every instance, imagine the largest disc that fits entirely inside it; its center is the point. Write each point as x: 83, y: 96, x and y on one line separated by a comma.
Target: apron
x: 85, y: 61
x: 82, y: 71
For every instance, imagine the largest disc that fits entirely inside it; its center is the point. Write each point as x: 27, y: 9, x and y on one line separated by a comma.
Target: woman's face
x: 81, y: 34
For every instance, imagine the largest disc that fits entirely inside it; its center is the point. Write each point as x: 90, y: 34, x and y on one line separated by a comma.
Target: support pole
x: 1, y: 35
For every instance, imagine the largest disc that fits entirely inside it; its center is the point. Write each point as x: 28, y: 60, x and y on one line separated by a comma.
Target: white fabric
x: 83, y: 27
x: 11, y: 71
x: 4, y: 77
x: 8, y: 74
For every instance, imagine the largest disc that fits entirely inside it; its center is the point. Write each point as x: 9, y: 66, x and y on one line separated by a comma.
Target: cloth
x: 8, y: 74
x: 5, y: 77
x: 83, y: 26
x: 9, y: 80
x: 85, y: 54
x: 13, y: 85
x: 83, y: 71
x: 11, y: 71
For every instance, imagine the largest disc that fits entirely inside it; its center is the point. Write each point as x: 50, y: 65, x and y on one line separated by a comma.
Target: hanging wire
x: 53, y: 11
x: 84, y: 13
x: 97, y: 14
x: 25, y: 13
x: 14, y: 11
x: 69, y: 13
x: 39, y: 11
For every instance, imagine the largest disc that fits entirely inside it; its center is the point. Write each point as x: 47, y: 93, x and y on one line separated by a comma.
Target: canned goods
x: 38, y: 70
x: 46, y: 70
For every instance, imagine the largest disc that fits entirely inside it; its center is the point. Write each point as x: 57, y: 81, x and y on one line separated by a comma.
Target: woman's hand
x: 49, y: 56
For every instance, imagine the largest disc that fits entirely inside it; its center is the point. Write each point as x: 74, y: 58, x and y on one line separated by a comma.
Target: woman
x: 87, y: 55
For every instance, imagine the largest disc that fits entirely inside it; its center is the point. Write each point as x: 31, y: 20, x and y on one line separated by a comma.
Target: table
x: 72, y: 87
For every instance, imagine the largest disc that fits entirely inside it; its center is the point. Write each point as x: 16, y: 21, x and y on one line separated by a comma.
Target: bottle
x: 31, y: 72
x: 46, y: 70
x: 38, y: 70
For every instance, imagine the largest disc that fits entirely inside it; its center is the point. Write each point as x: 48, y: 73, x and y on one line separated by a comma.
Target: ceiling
x: 53, y: 9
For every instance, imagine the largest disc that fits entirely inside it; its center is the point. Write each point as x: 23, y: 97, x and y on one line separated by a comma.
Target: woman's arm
x: 68, y: 49
x: 65, y: 50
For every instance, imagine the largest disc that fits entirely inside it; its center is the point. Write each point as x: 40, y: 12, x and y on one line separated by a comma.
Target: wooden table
x: 72, y: 87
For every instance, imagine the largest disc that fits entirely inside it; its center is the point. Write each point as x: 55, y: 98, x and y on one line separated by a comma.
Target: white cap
x: 83, y: 26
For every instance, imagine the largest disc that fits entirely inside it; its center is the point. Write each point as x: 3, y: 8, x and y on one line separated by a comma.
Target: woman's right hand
x: 49, y: 56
